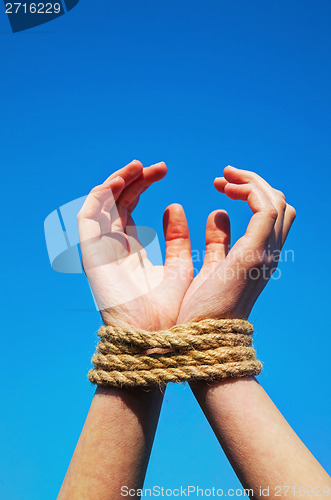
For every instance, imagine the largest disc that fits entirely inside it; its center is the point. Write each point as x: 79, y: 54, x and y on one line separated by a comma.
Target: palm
x: 127, y: 287
x: 132, y: 287
x: 216, y: 290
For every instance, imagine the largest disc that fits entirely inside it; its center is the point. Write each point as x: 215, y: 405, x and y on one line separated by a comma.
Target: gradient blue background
x: 198, y: 84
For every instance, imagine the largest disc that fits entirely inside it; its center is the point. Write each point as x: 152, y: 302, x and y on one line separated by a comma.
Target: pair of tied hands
x: 131, y: 291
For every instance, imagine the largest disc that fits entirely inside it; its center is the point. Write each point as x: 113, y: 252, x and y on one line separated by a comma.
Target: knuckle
x: 280, y: 193
x: 272, y: 212
x: 255, y: 189
x: 282, y: 204
x: 252, y: 175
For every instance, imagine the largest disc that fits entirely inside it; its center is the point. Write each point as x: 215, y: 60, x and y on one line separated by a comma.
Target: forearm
x: 261, y: 446
x: 115, y: 444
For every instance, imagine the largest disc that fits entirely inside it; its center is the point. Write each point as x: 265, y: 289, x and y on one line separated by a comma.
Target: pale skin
x: 116, y: 440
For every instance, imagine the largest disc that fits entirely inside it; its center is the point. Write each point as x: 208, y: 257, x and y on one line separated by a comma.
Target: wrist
x: 136, y: 319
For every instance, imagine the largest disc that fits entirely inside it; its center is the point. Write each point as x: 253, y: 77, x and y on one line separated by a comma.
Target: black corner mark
x: 29, y: 14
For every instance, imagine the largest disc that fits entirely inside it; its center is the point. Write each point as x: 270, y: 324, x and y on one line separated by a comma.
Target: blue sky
x: 198, y: 84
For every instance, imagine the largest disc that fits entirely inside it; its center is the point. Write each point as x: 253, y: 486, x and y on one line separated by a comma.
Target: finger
x: 148, y: 176
x: 220, y: 183
x: 217, y: 237
x: 90, y: 216
x: 116, y: 221
x: 177, y: 237
x: 277, y: 198
x: 106, y: 192
x: 290, y: 215
x: 238, y: 176
x: 262, y: 223
x: 129, y: 173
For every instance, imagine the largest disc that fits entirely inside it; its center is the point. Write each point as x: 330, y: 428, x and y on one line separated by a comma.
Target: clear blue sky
x: 198, y: 84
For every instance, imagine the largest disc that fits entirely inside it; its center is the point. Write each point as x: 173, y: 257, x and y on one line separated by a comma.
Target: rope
x: 205, y: 350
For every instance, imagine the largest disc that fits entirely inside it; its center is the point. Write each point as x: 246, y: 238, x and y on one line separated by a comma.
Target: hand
x: 230, y: 281
x: 128, y: 288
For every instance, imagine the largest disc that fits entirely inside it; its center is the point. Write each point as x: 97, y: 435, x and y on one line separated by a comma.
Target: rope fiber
x: 205, y: 350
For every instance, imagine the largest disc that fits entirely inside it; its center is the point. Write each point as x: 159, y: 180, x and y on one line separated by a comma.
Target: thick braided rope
x: 205, y: 350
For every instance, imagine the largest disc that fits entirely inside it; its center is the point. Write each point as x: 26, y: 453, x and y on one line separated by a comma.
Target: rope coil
x: 205, y: 350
